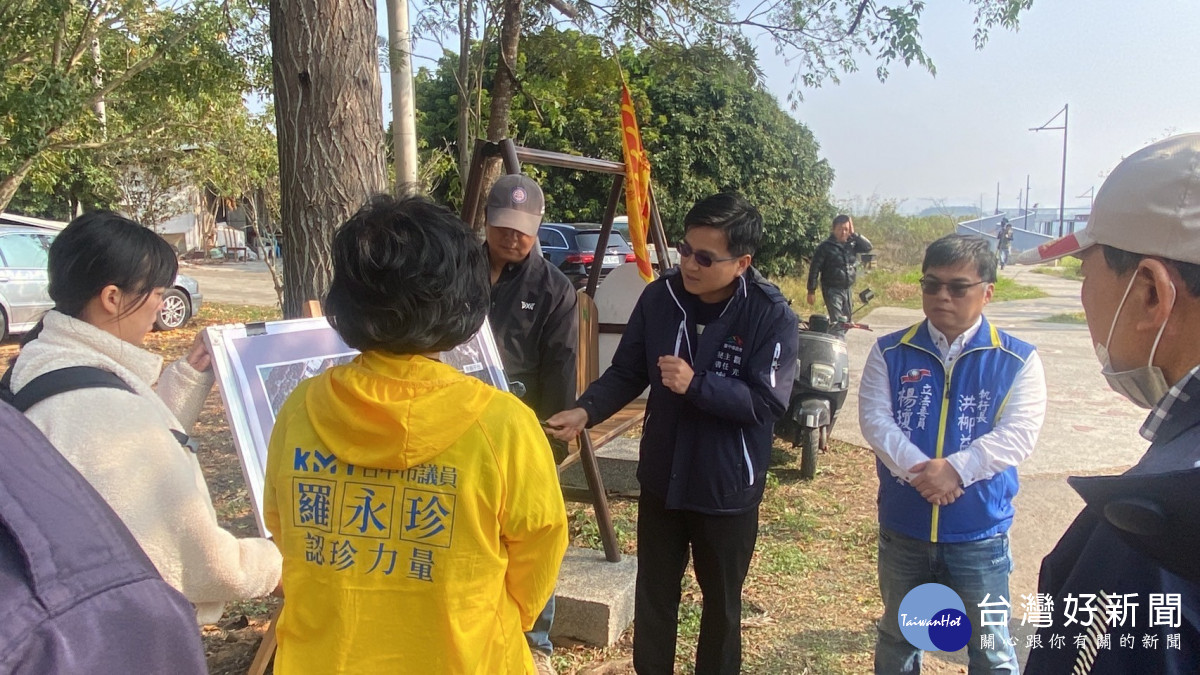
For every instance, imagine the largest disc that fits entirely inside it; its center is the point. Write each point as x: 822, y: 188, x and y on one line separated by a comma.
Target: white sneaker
x: 541, y: 662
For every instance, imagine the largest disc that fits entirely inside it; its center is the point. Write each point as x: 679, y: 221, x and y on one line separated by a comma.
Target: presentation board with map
x: 258, y: 365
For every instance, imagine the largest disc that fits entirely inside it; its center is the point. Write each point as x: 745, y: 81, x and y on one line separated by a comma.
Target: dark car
x: 572, y: 248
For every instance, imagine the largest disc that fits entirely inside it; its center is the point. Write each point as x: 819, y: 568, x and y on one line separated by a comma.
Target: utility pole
x: 404, y: 124
x: 1027, y: 214
x: 1062, y: 193
x: 997, y: 196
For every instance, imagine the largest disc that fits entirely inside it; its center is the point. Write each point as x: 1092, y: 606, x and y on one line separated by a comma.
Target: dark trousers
x: 837, y: 303
x: 721, y: 547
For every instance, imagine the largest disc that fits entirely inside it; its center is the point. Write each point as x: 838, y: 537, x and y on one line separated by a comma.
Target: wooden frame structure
x: 512, y: 155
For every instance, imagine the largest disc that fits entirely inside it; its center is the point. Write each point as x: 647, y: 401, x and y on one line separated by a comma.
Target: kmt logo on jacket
x: 915, y: 375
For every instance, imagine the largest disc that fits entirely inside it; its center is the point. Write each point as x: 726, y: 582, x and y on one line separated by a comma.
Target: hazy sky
x: 1129, y: 70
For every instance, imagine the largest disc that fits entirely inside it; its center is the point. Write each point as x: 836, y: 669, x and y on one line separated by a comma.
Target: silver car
x: 24, y: 293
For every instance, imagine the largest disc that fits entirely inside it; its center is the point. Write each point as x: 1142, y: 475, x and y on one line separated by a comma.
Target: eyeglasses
x: 957, y: 289
x: 702, y: 259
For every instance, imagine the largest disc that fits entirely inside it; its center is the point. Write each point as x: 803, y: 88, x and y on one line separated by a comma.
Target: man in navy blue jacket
x: 1120, y: 592
x: 716, y: 343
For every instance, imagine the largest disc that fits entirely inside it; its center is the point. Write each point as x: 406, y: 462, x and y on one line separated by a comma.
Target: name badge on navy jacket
x: 729, y: 358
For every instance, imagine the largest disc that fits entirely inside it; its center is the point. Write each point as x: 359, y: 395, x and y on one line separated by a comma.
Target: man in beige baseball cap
x: 535, y: 322
x: 1141, y: 295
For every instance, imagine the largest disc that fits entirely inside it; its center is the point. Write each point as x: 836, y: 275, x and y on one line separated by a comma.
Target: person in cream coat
x: 107, y: 277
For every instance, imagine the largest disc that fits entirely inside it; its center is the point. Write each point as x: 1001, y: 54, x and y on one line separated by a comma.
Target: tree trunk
x: 466, y: 10
x: 503, y: 89
x: 10, y: 183
x: 504, y: 84
x: 329, y: 122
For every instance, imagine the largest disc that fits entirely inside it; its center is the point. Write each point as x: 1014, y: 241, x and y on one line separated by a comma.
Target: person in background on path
x: 716, y: 343
x: 1130, y: 560
x: 835, y: 266
x: 1004, y: 237
x: 107, y: 279
x: 417, y: 507
x: 535, y: 323
x: 950, y: 406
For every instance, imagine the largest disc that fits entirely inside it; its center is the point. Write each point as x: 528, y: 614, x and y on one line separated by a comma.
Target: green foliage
x: 1067, y: 268
x: 716, y: 129
x: 707, y: 125
x: 158, y: 71
x: 1077, y: 318
x: 1008, y: 289
x: 900, y: 240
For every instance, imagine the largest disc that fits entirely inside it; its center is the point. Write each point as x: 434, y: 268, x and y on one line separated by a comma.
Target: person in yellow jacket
x: 418, y: 509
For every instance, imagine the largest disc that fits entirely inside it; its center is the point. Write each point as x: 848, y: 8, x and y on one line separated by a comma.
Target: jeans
x: 721, y: 548
x: 539, y: 637
x: 973, y: 569
x: 837, y: 302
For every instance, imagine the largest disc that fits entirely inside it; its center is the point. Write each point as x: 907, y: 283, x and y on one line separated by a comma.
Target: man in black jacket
x: 1120, y: 592
x: 835, y: 266
x: 716, y: 343
x: 535, y: 324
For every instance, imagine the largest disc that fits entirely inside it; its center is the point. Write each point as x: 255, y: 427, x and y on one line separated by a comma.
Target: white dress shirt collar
x: 948, y: 350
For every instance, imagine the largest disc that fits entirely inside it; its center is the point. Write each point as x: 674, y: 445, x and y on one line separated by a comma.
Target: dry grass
x: 811, y: 598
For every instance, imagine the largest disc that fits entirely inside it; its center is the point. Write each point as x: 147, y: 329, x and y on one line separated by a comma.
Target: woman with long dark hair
x: 107, y: 278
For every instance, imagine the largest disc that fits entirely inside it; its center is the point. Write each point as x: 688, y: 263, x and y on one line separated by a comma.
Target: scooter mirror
x: 866, y: 295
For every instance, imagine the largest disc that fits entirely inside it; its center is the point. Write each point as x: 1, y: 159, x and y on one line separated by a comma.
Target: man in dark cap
x: 535, y: 324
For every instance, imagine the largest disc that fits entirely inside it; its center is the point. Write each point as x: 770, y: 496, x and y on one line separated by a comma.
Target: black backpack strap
x: 71, y: 378
x: 63, y: 380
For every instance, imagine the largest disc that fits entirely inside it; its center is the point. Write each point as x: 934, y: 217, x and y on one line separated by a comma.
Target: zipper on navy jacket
x: 746, y: 456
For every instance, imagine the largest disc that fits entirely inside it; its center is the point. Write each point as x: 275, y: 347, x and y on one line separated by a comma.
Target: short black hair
x: 955, y: 249
x: 1121, y: 261
x: 102, y: 248
x: 840, y: 218
x: 730, y: 213
x: 409, y: 277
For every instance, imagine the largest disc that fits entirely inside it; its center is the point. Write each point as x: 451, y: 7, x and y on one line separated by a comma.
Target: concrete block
x: 618, y: 461
x: 594, y: 600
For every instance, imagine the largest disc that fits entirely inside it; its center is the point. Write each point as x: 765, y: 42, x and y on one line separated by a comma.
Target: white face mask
x: 1144, y: 386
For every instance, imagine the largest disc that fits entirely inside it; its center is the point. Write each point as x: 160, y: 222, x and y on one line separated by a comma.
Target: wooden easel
x: 270, y: 641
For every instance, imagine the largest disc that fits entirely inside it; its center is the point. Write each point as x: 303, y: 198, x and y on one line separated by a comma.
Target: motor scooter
x: 820, y: 386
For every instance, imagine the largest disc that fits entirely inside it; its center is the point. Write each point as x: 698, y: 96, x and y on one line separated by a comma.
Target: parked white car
x: 621, y: 224
x: 24, y: 284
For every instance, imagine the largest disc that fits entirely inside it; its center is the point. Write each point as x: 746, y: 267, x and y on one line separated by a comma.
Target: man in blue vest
x: 951, y: 406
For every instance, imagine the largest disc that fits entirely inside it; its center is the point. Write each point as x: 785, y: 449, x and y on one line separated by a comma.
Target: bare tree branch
x: 563, y: 8
x: 862, y: 6
x: 86, y: 32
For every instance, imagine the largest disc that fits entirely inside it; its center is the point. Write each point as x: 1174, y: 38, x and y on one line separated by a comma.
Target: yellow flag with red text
x: 637, y: 184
